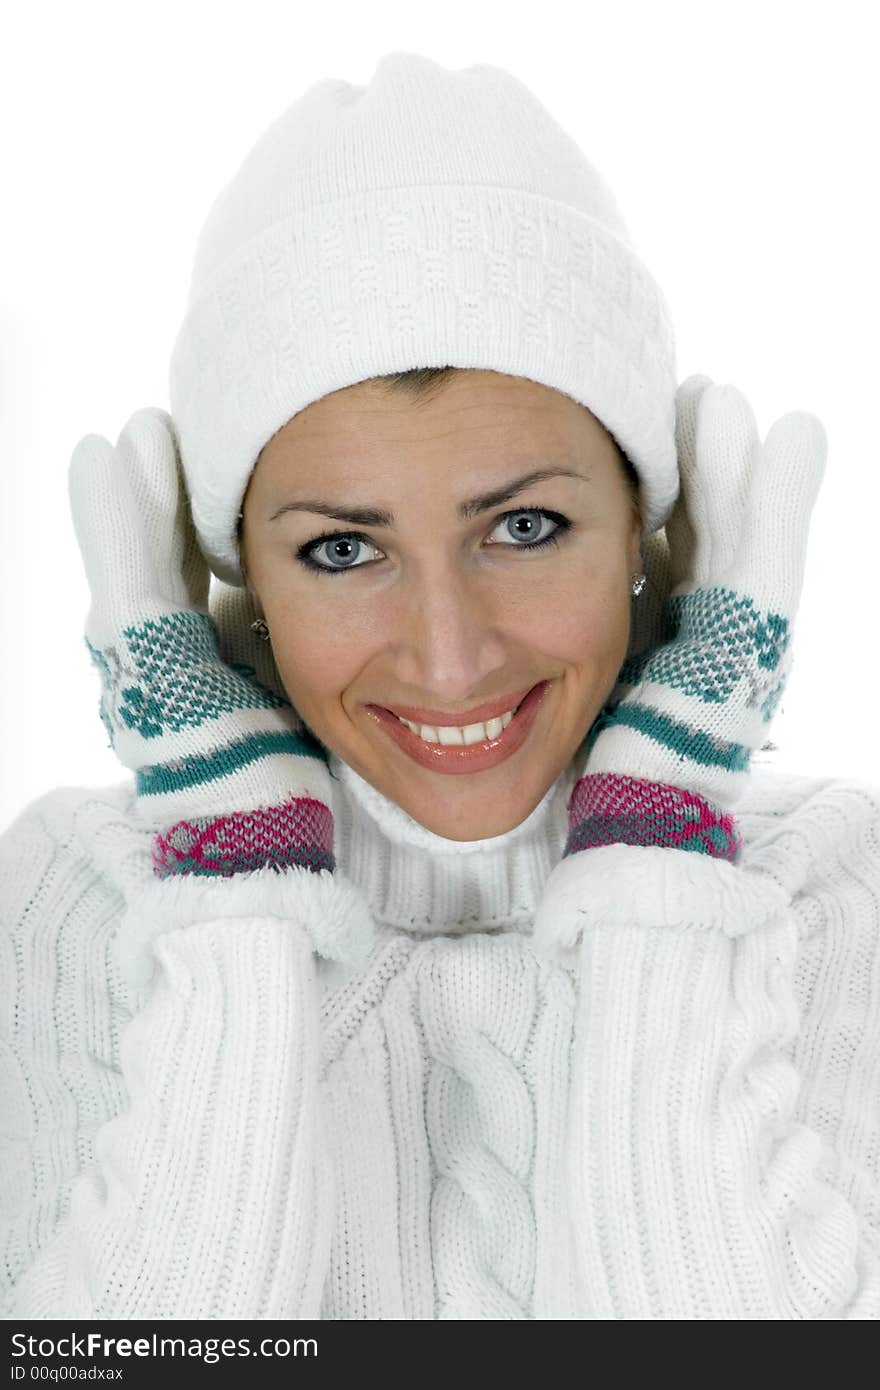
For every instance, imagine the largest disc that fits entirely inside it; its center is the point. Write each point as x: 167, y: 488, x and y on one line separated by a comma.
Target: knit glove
x: 669, y: 755
x: 225, y: 776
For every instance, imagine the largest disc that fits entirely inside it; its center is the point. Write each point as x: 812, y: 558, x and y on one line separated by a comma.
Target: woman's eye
x: 526, y: 526
x: 521, y: 530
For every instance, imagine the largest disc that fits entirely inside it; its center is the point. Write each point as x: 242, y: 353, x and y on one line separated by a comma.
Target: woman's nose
x: 451, y: 640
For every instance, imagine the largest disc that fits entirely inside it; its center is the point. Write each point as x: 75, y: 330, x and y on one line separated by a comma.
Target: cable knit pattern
x: 482, y: 1126
x: 251, y: 1107
x: 453, y: 1038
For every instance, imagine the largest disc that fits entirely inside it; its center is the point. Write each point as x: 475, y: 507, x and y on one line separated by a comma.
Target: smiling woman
x: 446, y: 611
x: 498, y: 998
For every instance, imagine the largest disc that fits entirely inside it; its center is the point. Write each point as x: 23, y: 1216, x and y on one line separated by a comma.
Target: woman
x: 344, y: 1005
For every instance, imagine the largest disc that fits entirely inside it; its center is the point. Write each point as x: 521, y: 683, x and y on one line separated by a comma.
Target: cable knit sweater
x: 675, y: 1114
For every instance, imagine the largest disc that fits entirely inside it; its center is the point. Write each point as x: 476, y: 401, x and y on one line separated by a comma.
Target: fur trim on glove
x: 328, y: 905
x: 647, y: 885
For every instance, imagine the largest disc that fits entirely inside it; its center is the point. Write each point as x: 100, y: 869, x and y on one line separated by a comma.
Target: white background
x: 739, y: 139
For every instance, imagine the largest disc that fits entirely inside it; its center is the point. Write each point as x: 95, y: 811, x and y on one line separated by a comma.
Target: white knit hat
x: 429, y: 218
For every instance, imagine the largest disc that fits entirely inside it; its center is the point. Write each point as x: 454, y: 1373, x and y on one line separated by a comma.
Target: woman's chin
x: 479, y: 828
x: 464, y: 814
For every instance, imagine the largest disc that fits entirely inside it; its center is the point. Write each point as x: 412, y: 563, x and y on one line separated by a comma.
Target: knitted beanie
x: 429, y: 218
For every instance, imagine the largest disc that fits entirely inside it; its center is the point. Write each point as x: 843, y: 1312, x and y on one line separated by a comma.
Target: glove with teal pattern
x: 224, y: 771
x: 711, y: 647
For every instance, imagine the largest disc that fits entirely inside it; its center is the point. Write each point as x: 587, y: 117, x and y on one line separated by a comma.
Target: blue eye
x: 353, y: 538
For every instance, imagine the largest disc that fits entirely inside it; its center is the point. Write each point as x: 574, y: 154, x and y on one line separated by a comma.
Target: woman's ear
x: 251, y: 591
x: 255, y: 600
x: 636, y: 561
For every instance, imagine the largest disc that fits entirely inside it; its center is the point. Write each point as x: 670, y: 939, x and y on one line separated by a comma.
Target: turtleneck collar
x: 426, y: 884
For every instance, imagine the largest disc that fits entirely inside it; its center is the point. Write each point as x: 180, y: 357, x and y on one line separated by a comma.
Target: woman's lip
x: 481, y: 714
x: 460, y: 758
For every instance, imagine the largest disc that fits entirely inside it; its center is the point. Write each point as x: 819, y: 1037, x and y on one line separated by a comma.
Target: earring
x: 638, y: 583
x: 261, y: 628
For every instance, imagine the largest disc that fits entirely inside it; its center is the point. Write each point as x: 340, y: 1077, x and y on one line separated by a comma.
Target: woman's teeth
x: 467, y: 733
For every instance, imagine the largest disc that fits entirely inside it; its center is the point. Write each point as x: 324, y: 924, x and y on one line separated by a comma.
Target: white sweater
x: 676, y: 1116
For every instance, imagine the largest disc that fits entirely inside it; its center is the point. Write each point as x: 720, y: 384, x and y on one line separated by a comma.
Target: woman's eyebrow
x: 374, y: 516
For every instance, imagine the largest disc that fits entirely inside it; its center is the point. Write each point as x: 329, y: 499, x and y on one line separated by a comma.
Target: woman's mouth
x: 443, y: 749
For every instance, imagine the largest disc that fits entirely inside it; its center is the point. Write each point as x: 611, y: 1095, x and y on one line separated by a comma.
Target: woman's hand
x: 223, y: 769
x: 669, y: 755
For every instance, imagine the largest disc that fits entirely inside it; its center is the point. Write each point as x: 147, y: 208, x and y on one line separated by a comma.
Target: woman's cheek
x: 588, y: 619
x: 316, y: 658
x: 319, y: 661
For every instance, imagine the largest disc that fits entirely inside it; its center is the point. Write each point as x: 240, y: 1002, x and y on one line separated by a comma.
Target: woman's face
x: 435, y: 607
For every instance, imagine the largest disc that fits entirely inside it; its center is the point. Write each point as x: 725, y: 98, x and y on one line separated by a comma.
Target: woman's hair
x: 422, y: 382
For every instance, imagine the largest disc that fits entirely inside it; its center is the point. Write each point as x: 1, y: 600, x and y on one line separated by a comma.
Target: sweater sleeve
x: 702, y: 1185
x: 207, y: 1193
